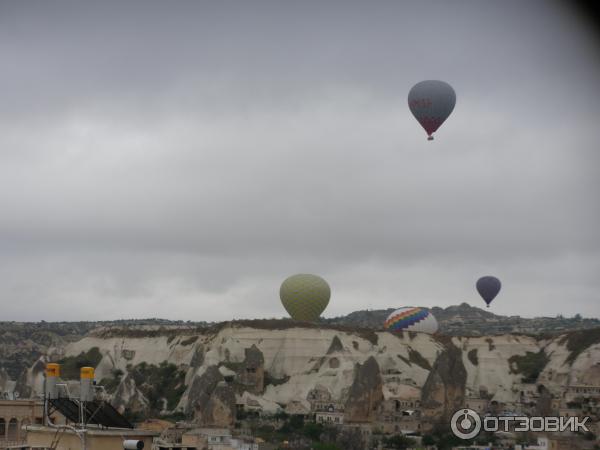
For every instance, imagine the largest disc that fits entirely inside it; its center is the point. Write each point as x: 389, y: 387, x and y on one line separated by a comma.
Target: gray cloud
x: 181, y: 160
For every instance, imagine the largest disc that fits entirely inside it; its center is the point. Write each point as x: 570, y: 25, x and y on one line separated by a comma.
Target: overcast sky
x: 180, y: 159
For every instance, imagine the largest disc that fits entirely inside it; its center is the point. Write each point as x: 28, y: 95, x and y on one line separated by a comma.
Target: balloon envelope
x: 431, y: 102
x: 488, y: 287
x: 411, y: 319
x: 305, y: 296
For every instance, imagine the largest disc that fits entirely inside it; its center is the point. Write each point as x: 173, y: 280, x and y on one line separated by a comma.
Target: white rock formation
x: 302, y: 358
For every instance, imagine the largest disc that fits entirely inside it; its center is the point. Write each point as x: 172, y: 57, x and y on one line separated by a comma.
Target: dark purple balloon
x: 488, y: 287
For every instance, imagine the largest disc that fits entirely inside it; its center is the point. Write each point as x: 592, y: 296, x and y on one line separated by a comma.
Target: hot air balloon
x: 304, y: 296
x: 488, y: 287
x: 431, y: 102
x: 411, y: 319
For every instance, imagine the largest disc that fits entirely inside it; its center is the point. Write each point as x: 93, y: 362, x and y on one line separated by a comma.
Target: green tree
x: 399, y: 441
x: 281, y: 415
x: 350, y: 439
x: 486, y: 438
x: 428, y: 440
x: 325, y: 446
x: 313, y: 430
x: 445, y: 440
x: 589, y: 436
x: 297, y: 422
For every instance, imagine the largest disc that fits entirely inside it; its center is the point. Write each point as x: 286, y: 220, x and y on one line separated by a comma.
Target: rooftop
x: 96, y: 431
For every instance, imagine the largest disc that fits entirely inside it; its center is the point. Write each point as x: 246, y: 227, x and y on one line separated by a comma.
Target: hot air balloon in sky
x: 411, y: 319
x: 431, y: 102
x: 488, y: 287
x: 305, y: 296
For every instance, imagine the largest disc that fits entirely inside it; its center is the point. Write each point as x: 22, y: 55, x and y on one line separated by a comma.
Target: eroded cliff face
x: 219, y: 411
x: 444, y: 391
x: 6, y: 384
x: 202, y: 387
x: 365, y: 394
x: 274, y: 365
x: 250, y: 375
x: 129, y: 397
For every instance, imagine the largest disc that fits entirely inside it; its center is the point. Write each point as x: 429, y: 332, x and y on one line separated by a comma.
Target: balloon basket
x: 430, y: 138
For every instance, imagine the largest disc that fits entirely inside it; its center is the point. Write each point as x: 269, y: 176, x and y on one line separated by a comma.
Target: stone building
x: 214, y: 439
x: 479, y: 405
x: 576, y: 392
x: 330, y: 415
x: 205, y: 438
x: 297, y: 408
x: 553, y: 443
x: 40, y: 436
x: 15, y: 414
x: 397, y: 406
x: 320, y: 399
x: 395, y: 416
x: 400, y: 410
x: 248, y: 404
x: 580, y: 401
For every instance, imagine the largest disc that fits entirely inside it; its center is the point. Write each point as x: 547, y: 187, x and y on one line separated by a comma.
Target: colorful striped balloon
x: 411, y: 319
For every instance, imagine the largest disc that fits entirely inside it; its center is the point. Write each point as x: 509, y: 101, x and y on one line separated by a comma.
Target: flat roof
x: 209, y: 432
x: 21, y: 401
x: 97, y: 431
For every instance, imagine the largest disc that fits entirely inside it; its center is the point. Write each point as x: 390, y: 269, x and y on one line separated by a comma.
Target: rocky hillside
x: 467, y: 320
x: 23, y: 343
x: 203, y: 371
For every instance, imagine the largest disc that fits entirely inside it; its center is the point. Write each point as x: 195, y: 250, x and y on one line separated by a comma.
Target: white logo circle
x: 464, y: 420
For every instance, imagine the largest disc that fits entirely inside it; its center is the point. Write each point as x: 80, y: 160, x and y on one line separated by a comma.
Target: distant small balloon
x: 431, y: 102
x: 488, y: 287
